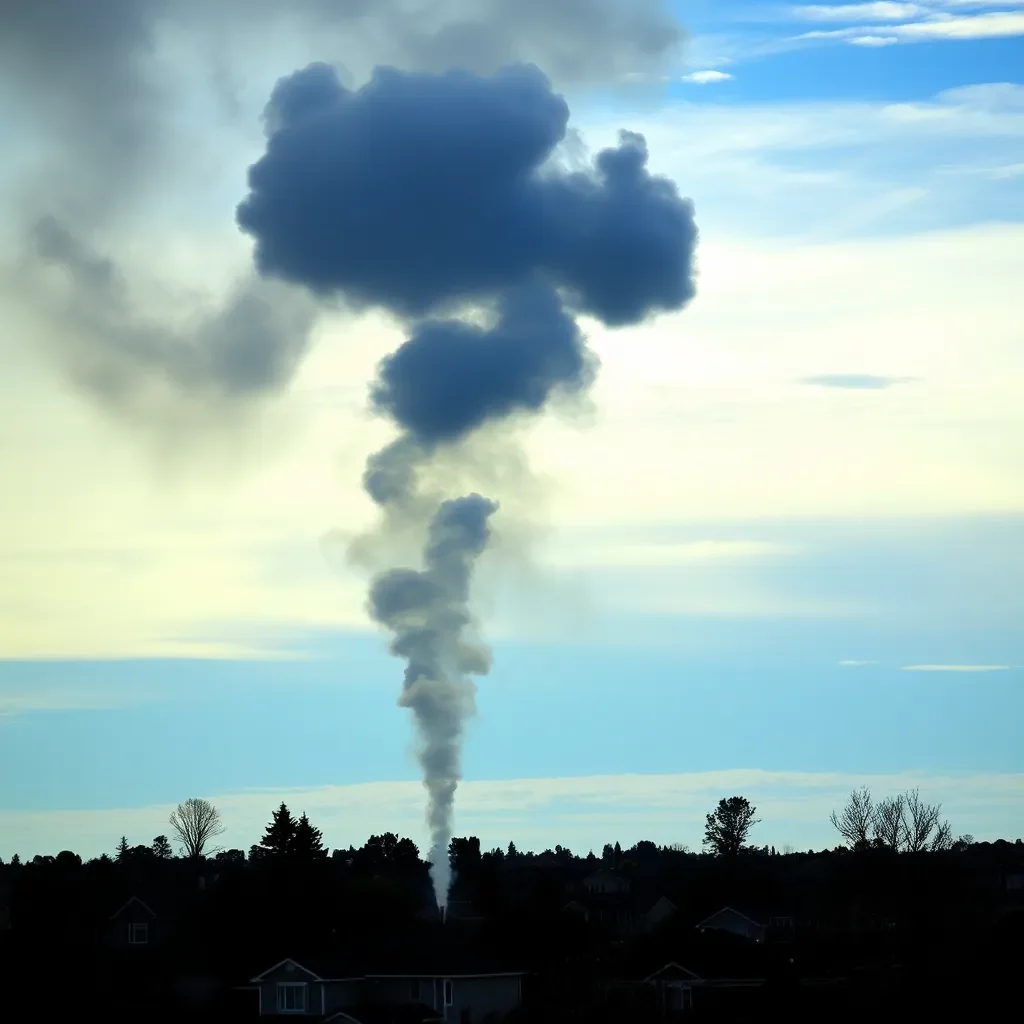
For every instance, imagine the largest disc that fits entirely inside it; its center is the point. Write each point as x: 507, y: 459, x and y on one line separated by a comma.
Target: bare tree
x: 890, y: 826
x: 903, y: 823
x: 857, y: 822
x: 195, y: 823
x: 921, y: 822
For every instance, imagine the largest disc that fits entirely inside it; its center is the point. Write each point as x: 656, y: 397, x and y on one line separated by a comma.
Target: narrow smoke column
x: 428, y: 612
x: 427, y: 195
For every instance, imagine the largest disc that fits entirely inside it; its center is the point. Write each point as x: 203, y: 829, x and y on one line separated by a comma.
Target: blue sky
x: 736, y: 571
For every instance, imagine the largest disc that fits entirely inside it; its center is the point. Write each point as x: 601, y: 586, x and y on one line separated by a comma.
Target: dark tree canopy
x: 307, y: 841
x: 280, y: 833
x: 727, y: 827
x: 162, y: 848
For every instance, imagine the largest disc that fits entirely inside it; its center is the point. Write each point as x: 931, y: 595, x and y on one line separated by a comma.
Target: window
x: 414, y: 989
x: 291, y: 997
x: 448, y: 993
x: 138, y: 934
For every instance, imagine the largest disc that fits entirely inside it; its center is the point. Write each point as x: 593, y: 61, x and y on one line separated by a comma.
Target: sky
x: 776, y: 550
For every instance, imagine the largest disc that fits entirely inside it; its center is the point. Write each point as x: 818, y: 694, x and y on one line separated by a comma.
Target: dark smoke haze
x: 97, y: 91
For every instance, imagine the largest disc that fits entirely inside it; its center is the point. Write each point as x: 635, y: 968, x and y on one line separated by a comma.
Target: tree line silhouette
x: 897, y: 908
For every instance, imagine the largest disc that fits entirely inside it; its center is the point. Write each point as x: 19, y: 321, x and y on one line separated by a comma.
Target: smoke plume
x: 436, y: 198
x: 423, y: 193
x: 428, y: 613
x: 102, y: 100
x: 250, y: 346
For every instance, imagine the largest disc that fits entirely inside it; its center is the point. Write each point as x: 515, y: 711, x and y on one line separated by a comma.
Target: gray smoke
x: 428, y: 612
x: 248, y: 347
x: 424, y: 194
x: 98, y: 99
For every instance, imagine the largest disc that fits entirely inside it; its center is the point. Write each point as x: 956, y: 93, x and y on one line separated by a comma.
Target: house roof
x: 342, y: 967
x: 412, y: 1014
x: 134, y: 899
x: 672, y: 970
x: 707, y: 922
x: 281, y: 963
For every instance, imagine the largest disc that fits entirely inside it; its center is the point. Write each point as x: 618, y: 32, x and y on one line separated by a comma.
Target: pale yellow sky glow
x: 110, y: 550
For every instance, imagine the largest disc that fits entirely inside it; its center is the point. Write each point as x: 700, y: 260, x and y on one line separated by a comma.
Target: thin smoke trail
x: 428, y: 613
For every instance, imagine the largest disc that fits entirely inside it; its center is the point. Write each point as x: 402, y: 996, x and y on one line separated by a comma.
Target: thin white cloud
x: 1006, y: 171
x: 856, y: 663
x: 989, y: 25
x: 13, y: 703
x: 582, y: 812
x: 707, y: 77
x: 956, y: 668
x: 883, y: 10
x: 874, y: 41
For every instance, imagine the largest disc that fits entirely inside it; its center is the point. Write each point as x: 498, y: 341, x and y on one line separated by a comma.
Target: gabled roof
x: 729, y: 910
x: 673, y: 969
x: 659, y: 901
x: 281, y: 963
x: 415, y: 1013
x: 134, y: 899
x: 380, y: 975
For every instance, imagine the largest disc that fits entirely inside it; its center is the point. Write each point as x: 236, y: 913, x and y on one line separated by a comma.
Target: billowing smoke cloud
x: 436, y: 198
x: 451, y: 377
x: 419, y: 192
x: 428, y: 613
x: 102, y: 90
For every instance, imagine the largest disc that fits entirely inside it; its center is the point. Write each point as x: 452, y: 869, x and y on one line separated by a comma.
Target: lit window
x: 138, y: 934
x: 291, y: 997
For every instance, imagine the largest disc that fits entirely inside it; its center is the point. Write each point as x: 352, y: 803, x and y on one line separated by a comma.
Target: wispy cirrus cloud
x: 883, y: 10
x: 957, y: 668
x: 987, y: 25
x: 855, y: 381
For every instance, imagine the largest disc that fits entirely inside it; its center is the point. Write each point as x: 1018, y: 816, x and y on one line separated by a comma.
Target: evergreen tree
x: 122, y: 850
x: 279, y: 838
x: 162, y: 848
x: 512, y: 851
x: 307, y: 842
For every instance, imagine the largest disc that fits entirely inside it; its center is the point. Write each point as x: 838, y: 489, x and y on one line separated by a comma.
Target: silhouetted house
x: 732, y: 921
x: 661, y: 912
x: 413, y: 996
x: 135, y: 924
x: 672, y: 987
x: 609, y: 900
x: 606, y: 883
x: 673, y: 990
